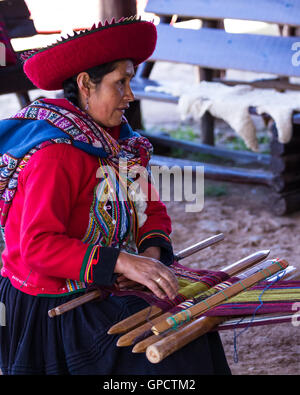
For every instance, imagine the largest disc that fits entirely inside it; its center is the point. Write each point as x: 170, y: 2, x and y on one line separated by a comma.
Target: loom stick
x: 131, y: 322
x: 263, y: 319
x: 175, y: 341
x: 199, y: 246
x: 221, y: 323
x: 151, y: 312
x: 245, y: 283
x: 292, y: 274
x: 287, y: 273
x: 229, y: 322
x: 142, y: 345
x: 207, y: 326
x: 72, y: 304
x: 128, y: 338
x: 245, y: 263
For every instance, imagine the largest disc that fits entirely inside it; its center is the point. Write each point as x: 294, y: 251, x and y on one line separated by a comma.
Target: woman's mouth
x: 123, y: 109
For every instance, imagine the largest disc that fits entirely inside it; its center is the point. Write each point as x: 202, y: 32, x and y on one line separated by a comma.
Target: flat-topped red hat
x: 129, y: 38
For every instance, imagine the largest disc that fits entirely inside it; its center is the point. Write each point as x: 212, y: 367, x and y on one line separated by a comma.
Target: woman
x: 71, y: 218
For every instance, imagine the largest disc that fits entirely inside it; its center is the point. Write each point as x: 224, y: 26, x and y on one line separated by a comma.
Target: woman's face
x: 108, y: 100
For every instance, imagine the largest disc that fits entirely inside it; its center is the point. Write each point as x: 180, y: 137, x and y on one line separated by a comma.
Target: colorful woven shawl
x: 41, y: 124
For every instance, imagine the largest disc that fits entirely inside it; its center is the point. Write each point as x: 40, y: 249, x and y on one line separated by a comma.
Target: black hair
x: 96, y: 75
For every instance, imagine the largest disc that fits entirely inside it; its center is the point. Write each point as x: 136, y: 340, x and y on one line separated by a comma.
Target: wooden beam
x: 242, y: 157
x: 218, y: 173
x: 217, y: 49
x: 272, y: 11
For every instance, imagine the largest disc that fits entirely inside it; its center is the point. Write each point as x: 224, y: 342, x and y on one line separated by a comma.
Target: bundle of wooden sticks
x: 152, y: 330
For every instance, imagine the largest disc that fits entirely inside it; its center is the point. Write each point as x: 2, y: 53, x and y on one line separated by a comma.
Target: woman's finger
x: 169, y: 288
x: 157, y: 290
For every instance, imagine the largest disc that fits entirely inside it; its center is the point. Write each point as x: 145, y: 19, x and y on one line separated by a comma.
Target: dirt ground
x: 243, y: 215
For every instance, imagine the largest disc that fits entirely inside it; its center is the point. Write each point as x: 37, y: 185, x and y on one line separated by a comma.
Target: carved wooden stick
x: 168, y: 345
x: 151, y: 312
x: 128, y: 338
x: 141, y: 346
x: 214, y: 300
x: 72, y: 304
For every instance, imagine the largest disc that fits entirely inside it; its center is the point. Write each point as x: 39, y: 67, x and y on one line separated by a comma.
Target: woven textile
x: 196, y: 285
x: 191, y: 283
x: 270, y: 298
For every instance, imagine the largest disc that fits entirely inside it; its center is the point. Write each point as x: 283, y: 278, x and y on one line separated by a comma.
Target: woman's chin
x: 109, y: 124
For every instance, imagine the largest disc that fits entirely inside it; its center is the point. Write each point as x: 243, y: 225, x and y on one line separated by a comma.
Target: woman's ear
x: 83, y: 82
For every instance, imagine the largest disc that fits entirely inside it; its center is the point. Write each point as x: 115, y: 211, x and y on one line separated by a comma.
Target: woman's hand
x: 124, y: 283
x: 148, y: 272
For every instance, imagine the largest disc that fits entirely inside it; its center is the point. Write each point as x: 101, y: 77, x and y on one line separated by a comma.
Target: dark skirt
x: 77, y: 342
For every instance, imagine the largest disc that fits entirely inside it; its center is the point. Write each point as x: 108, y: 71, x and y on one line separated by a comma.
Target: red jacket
x: 44, y: 254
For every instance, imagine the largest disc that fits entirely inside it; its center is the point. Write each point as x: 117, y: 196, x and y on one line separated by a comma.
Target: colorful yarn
x: 271, y: 297
x: 154, y: 233
x: 74, y: 285
x: 191, y: 282
x: 236, y: 335
x: 182, y: 318
x: 92, y: 260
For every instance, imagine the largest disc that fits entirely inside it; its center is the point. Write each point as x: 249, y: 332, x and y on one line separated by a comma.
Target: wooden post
x: 207, y: 121
x: 285, y: 162
x: 109, y: 9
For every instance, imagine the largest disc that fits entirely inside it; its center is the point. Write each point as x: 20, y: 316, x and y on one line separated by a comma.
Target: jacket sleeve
x: 51, y: 184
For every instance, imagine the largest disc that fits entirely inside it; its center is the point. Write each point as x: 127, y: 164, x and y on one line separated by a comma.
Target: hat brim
x: 50, y: 67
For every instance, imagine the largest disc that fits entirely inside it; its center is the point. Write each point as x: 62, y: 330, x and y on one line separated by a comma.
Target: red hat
x: 129, y: 38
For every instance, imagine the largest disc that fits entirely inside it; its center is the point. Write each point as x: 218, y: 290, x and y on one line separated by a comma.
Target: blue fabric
x: 19, y: 136
x: 77, y: 342
x: 127, y: 132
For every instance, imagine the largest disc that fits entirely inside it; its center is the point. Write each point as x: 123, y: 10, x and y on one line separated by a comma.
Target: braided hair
x: 96, y: 75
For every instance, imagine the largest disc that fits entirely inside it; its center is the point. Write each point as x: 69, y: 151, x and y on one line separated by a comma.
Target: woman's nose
x: 129, y: 94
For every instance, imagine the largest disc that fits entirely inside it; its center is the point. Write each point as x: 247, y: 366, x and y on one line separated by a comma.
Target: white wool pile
x: 231, y: 103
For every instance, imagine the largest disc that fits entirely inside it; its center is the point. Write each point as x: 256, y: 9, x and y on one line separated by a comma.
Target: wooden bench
x: 213, y: 51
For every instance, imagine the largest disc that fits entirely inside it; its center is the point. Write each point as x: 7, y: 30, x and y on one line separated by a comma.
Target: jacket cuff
x: 99, y: 265
x: 161, y: 240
